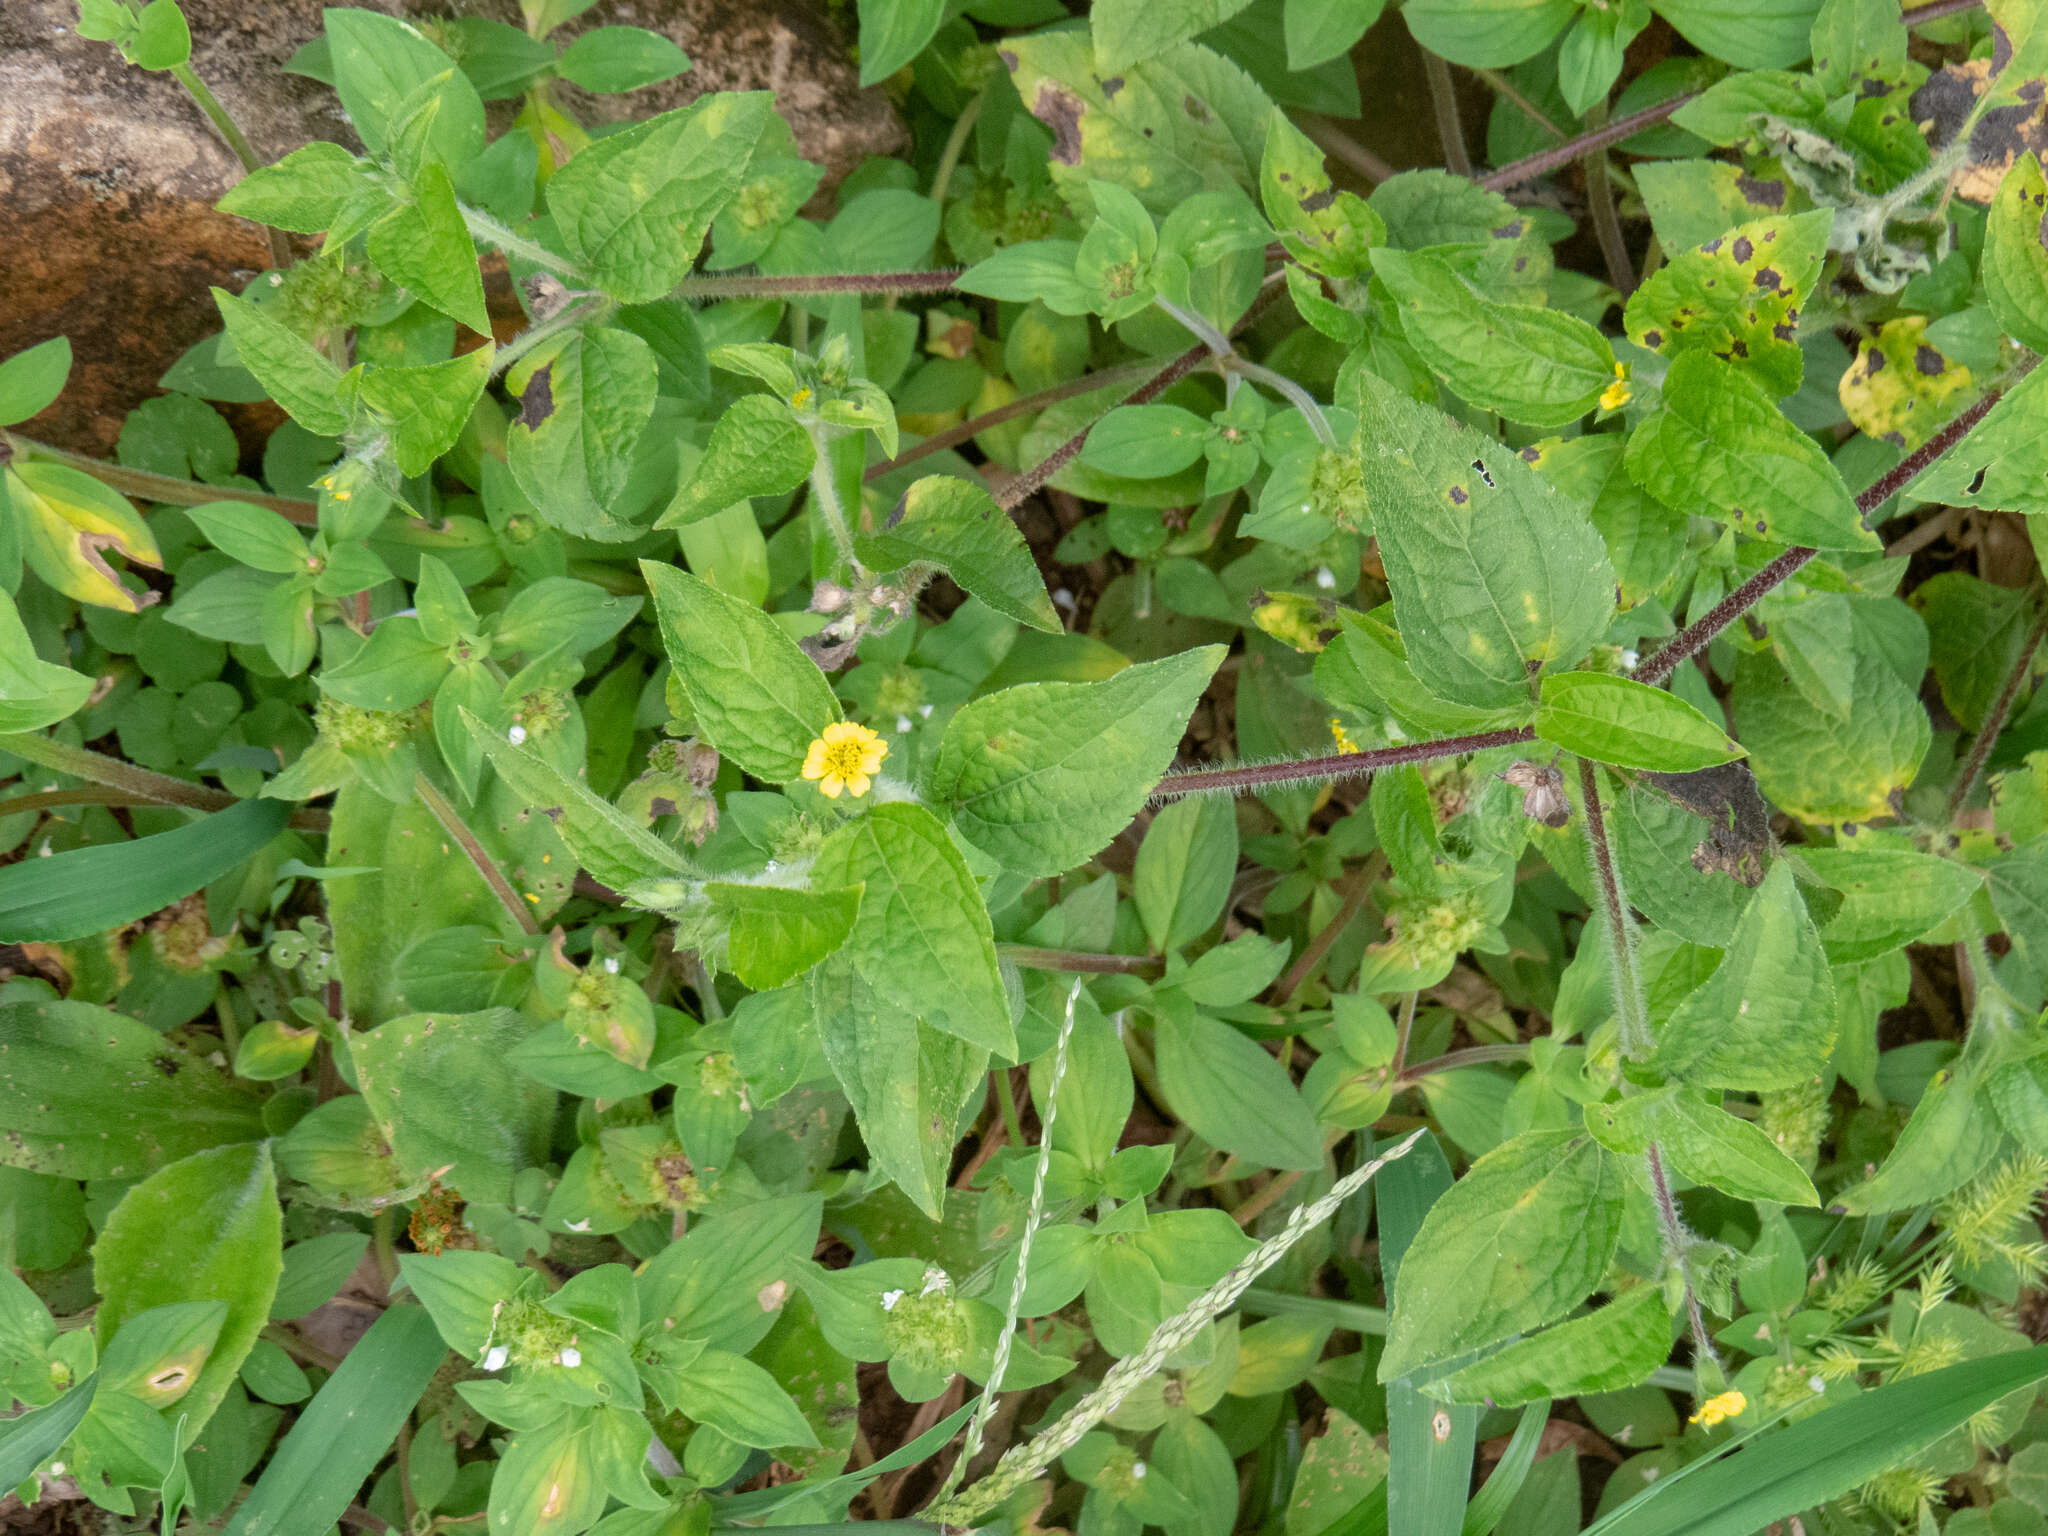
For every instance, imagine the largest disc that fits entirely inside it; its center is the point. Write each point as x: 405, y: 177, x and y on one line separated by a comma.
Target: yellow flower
x: 843, y: 758
x: 1617, y: 394
x: 801, y: 398
x: 1718, y: 1410
x: 1345, y: 745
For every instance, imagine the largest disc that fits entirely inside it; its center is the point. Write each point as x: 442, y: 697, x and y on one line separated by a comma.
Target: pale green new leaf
x: 33, y: 693
x: 1486, y: 34
x: 742, y: 1401
x: 1704, y: 1143
x: 307, y: 192
x: 1611, y: 1347
x: 1233, y: 1094
x: 1129, y: 32
x: 1953, y: 1134
x: 634, y: 206
x: 384, y: 67
x: 424, y: 245
x: 1629, y: 724
x: 759, y: 699
x: 1766, y: 1017
x: 2003, y: 464
x: 1043, y: 775
x: 1536, y: 366
x: 1496, y: 576
x: 778, y: 934
x: 1721, y: 445
x: 427, y: 407
x: 955, y: 524
x: 1522, y: 1239
x: 756, y: 449
x: 295, y: 373
x: 922, y: 938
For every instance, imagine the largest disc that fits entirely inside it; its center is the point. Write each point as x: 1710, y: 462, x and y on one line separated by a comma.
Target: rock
x: 109, y: 174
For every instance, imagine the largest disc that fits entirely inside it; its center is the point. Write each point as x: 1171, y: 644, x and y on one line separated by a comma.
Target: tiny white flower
x: 902, y: 724
x: 889, y: 1300
x: 1139, y: 1469
x: 611, y: 965
x: 1630, y: 658
x: 924, y: 711
x: 1325, y: 577
x: 1063, y: 597
x: 578, y: 1226
x: 517, y: 735
x: 1304, y: 506
x: 56, y: 1469
x: 936, y: 1280
x: 495, y: 1357
x: 1815, y: 1385
x: 277, y: 279
x: 571, y: 1357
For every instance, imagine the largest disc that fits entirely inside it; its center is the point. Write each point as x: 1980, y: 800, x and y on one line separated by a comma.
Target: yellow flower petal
x: 859, y: 783
x: 831, y: 784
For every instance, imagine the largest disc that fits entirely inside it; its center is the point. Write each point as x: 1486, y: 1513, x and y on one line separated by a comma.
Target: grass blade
x: 346, y: 1428
x: 1780, y: 1472
x: 1491, y: 1503
x: 27, y: 1442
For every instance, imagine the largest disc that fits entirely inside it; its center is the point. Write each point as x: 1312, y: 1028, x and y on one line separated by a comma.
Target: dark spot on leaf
x: 1480, y: 466
x: 1653, y: 339
x: 2001, y: 48
x: 661, y: 805
x: 1459, y: 496
x: 1765, y: 194
x: 1510, y: 231
x: 1742, y: 249
x: 1767, y: 278
x: 1785, y: 332
x: 166, y: 1064
x: 1060, y: 110
x: 1521, y: 262
x: 1977, y: 481
x: 537, y: 400
x: 1896, y: 439
x: 1531, y: 454
x: 553, y: 813
x: 1111, y: 86
x: 1316, y: 202
x: 1009, y: 58
x: 896, y: 514
x: 1872, y: 88
x: 1930, y: 362
x: 1738, y: 348
x: 1873, y: 363
x: 1194, y: 108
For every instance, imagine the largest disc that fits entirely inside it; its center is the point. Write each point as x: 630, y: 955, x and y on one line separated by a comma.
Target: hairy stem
x: 482, y: 226
x: 453, y: 824
x: 1032, y: 958
x: 1504, y: 88
x: 1994, y: 722
x: 1699, y: 634
x: 1629, y: 1006
x: 168, y: 489
x: 1338, y: 765
x: 807, y: 285
x: 1676, y: 1243
x: 1298, y: 397
x: 1470, y: 1056
x: 581, y: 313
x: 825, y: 496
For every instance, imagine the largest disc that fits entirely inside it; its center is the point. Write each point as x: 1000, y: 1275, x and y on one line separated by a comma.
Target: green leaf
x: 613, y: 848
x: 1721, y: 441
x: 1531, y: 365
x: 90, y: 890
x: 759, y: 699
x: 1738, y: 297
x: 91, y: 1094
x: 1766, y: 1017
x: 1324, y: 229
x: 310, y: 190
x: 1704, y: 1143
x: 1952, y: 1136
x: 31, y: 380
x: 295, y: 373
x: 583, y: 403
x: 427, y: 407
x: 908, y: 1082
x: 255, y: 536
x: 779, y: 934
x: 205, y: 1228
x: 922, y: 939
x: 162, y: 38
x: 1486, y: 34
x: 32, y: 1438
x: 1184, y: 869
x: 742, y: 1401
x: 2003, y: 464
x: 1611, y: 1347
x: 1180, y: 123
x: 1128, y: 32
x: 385, y: 70
x: 451, y: 1104
x: 1317, y: 31
x: 1630, y: 724
x: 1145, y: 441
x: 1823, y: 769
x: 756, y: 449
x: 1750, y: 34
x: 1043, y: 775
x: 340, y: 1436
x: 1645, y: 539
x: 33, y: 693
x: 424, y: 245
x: 2016, y: 254
x: 462, y: 1290
x: 1496, y: 577
x: 397, y: 668
x: 633, y: 207
x: 1233, y: 1094
x: 1824, y: 1456
x: 1523, y: 1238
x: 1041, y: 270
x: 955, y: 524
x: 708, y: 1284
x: 611, y: 59
x: 314, y: 1270
x: 893, y: 32
x: 1892, y: 897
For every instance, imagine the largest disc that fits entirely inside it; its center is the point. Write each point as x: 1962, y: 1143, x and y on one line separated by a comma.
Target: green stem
x: 1994, y: 722
x: 825, y: 495
x: 809, y: 285
x: 1013, y: 1123
x: 956, y: 144
x: 1636, y: 1040
x: 490, y: 231
x: 218, y: 116
x: 1023, y: 405
x: 590, y: 310
x: 1443, y: 100
x: 1471, y: 1056
x: 167, y: 489
x: 453, y: 824
x: 1300, y: 398
x: 1504, y: 88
